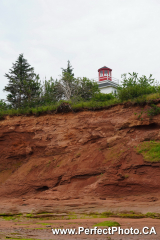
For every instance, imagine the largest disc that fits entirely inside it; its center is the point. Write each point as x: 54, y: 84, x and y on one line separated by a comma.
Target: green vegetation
x: 42, y: 220
x: 72, y: 216
x: 29, y: 215
x: 150, y: 151
x: 22, y: 238
x: 78, y: 155
x: 154, y: 110
x: 24, y: 85
x: 107, y: 214
x: 28, y: 96
x: 9, y: 217
x: 77, y: 106
x: 27, y: 92
x: 153, y: 215
x: 102, y: 97
x: 40, y: 213
x: 48, y: 164
x: 3, y: 105
x: 107, y: 224
x: 39, y: 228
x: 126, y: 176
x: 6, y: 214
x: 131, y: 215
x: 134, y: 86
x: 142, y: 100
x: 42, y: 223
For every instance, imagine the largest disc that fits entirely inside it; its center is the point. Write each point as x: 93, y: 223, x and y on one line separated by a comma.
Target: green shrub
x: 154, y: 110
x: 102, y: 97
x: 134, y: 87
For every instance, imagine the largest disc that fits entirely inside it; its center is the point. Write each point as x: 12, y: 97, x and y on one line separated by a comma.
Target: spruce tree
x: 67, y: 83
x: 68, y: 70
x: 76, y: 89
x: 23, y: 83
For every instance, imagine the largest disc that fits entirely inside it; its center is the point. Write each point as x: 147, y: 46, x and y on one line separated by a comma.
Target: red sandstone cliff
x: 71, y: 155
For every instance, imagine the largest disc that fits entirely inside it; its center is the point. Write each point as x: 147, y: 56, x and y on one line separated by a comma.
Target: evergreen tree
x: 67, y: 83
x: 23, y: 83
x: 76, y: 88
x: 68, y: 70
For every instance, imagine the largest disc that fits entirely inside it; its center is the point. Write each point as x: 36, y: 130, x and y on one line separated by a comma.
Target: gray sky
x: 121, y: 34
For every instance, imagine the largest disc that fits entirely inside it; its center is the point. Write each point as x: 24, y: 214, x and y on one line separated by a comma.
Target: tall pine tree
x: 23, y: 84
x: 68, y: 70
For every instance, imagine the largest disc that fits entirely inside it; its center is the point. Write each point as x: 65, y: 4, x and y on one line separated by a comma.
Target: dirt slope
x: 66, y: 156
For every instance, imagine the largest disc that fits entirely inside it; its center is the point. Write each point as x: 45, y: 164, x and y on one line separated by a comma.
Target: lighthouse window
x: 101, y: 73
x: 105, y: 73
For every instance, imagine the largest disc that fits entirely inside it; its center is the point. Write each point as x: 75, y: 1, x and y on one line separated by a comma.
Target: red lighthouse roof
x: 103, y: 68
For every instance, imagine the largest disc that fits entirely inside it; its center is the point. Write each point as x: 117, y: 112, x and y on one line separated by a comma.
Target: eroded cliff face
x: 72, y: 155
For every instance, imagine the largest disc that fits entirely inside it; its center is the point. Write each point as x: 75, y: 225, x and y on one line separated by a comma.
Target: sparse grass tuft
x: 107, y: 224
x: 78, y: 155
x: 153, y: 111
x: 29, y: 215
x: 131, y: 215
x: 6, y: 214
x: 153, y: 215
x: 126, y: 176
x: 42, y: 223
x: 22, y: 238
x: 72, y: 216
x: 9, y: 217
x: 150, y: 151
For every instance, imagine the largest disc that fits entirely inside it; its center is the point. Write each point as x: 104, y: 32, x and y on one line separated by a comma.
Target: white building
x: 106, y: 83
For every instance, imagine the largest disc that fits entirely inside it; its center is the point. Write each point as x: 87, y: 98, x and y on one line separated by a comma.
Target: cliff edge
x: 72, y: 155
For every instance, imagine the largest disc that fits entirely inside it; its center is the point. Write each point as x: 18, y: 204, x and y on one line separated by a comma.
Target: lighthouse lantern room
x: 105, y: 73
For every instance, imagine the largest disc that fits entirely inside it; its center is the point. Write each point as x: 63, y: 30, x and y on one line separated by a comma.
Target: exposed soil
x: 36, y: 229
x: 86, y: 161
x: 74, y: 214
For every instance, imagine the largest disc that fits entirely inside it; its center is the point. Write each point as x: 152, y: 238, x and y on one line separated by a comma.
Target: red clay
x: 77, y: 159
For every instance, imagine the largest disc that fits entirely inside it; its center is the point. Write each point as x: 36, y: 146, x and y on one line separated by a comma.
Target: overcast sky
x: 121, y: 34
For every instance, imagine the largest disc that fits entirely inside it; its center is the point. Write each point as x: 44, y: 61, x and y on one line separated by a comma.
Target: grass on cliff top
x: 78, y: 106
x: 150, y: 151
x: 90, y: 105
